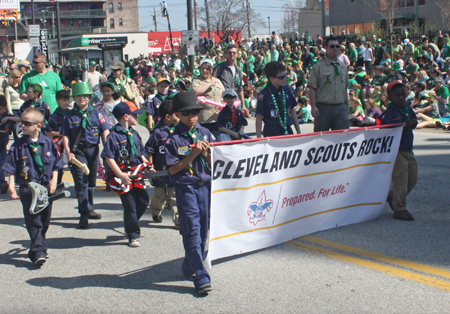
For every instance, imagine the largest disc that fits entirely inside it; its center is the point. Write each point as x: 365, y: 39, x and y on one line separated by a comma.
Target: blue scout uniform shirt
x: 155, y: 146
x: 266, y: 107
x: 72, y: 125
x: 392, y: 116
x: 20, y: 162
x: 177, y: 148
x: 225, y: 120
x: 153, y: 107
x: 56, y: 120
x: 4, y: 136
x: 118, y: 148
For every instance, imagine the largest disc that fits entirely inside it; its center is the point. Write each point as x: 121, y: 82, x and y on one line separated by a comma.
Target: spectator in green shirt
x: 442, y: 93
x: 353, y: 56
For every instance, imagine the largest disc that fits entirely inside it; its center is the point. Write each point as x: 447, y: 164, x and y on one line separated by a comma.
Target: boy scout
x: 328, y: 90
x: 33, y: 158
x: 189, y: 170
x: 81, y: 132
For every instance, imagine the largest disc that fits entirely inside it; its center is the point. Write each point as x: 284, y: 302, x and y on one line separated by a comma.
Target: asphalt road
x: 380, y: 266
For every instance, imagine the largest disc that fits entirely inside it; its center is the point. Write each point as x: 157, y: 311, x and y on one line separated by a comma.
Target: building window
x: 421, y: 2
x: 86, y: 23
x: 80, y: 23
x: 70, y: 7
x: 111, y: 7
x: 120, y: 22
x: 120, y: 5
x: 79, y: 7
x: 71, y: 23
x: 111, y: 23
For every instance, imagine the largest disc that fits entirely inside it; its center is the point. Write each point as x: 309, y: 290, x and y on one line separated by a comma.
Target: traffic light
x: 4, y: 18
x: 16, y: 16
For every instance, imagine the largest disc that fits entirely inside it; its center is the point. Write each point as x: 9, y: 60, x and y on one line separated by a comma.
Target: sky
x: 178, y: 10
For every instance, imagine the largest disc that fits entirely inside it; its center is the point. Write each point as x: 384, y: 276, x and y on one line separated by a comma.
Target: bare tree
x: 444, y: 5
x: 387, y: 9
x: 226, y: 16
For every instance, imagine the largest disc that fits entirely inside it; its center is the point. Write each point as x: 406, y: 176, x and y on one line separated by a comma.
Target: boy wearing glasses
x: 81, y: 131
x: 190, y: 172
x: 276, y: 103
x: 33, y: 158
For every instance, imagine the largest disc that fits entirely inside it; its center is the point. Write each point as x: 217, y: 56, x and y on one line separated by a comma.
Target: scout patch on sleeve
x: 101, y: 118
x: 261, y: 96
x: 184, y: 150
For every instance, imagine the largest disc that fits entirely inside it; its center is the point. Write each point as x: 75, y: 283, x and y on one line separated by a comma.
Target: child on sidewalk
x: 156, y: 155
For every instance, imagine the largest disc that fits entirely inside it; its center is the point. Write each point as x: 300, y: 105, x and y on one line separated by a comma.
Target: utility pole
x: 248, y: 6
x: 58, y: 22
x: 154, y: 19
x: 165, y: 13
x: 32, y: 12
x: 323, y: 18
x: 190, y: 28
x: 195, y: 15
x: 268, y: 18
x: 53, y: 24
x: 207, y: 18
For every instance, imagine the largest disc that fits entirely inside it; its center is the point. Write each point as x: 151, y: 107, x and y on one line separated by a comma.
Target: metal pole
x: 32, y: 12
x: 195, y: 15
x: 15, y: 30
x: 58, y: 22
x: 269, y: 23
x: 416, y: 13
x: 323, y: 17
x: 207, y: 18
x: 190, y: 27
x: 247, y: 4
x: 53, y: 24
x: 154, y: 18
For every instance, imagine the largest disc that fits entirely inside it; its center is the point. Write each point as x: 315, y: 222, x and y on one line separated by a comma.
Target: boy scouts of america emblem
x: 258, y: 210
x: 123, y: 152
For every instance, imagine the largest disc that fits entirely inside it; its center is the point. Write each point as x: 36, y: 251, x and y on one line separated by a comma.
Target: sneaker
x: 94, y: 215
x: 157, y: 218
x: 134, y: 243
x: 204, y: 289
x: 4, y: 188
x: 40, y: 261
x: 177, y: 226
x: 441, y: 125
x: 403, y: 215
x: 84, y: 221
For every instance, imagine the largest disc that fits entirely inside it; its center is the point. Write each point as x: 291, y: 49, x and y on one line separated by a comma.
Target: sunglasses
x: 37, y: 62
x: 229, y: 96
x: 83, y: 96
x: 16, y: 76
x: 232, y: 52
x: 281, y: 77
x: 193, y: 112
x: 27, y: 123
x: 334, y: 46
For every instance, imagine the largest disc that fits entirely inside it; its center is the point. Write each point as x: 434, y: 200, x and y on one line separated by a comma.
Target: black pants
x: 37, y: 225
x: 134, y: 205
x: 85, y: 185
x: 275, y: 130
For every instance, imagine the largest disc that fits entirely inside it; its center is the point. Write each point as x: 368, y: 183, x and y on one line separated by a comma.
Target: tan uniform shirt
x: 331, y: 88
x: 214, y: 93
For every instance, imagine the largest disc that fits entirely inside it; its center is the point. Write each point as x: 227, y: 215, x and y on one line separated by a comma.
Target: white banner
x: 269, y: 192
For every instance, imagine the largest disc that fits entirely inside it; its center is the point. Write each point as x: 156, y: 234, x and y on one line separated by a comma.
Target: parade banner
x: 271, y: 191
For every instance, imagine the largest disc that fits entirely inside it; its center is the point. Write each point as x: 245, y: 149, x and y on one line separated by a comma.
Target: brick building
x: 122, y: 16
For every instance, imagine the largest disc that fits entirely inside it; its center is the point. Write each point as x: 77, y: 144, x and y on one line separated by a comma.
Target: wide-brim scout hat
x: 229, y: 92
x: 185, y: 101
x: 117, y: 65
x: 81, y: 88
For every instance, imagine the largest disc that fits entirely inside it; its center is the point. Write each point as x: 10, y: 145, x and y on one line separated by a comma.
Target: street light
x: 269, y: 23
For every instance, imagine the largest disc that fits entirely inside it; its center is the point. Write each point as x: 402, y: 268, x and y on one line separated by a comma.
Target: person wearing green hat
x: 50, y: 81
x: 393, y: 73
x: 81, y: 131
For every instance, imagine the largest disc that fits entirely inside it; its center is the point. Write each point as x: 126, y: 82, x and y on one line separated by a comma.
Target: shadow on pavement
x: 155, y: 277
x: 75, y: 243
x: 18, y: 258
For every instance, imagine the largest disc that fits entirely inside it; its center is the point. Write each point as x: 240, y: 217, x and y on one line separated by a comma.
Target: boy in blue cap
x: 156, y: 155
x: 33, y: 158
x: 124, y: 147
x: 404, y: 174
x: 230, y: 121
x: 81, y: 130
x: 190, y: 172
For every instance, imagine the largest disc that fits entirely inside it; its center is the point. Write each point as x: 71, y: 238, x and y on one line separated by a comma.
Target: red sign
x: 159, y: 42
